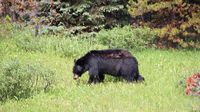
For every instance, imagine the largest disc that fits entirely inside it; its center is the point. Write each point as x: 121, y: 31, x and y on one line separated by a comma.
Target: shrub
x: 193, y: 84
x: 127, y: 37
x: 23, y: 79
x: 177, y: 21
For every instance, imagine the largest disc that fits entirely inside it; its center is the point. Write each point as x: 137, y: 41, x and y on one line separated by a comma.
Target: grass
x: 162, y: 91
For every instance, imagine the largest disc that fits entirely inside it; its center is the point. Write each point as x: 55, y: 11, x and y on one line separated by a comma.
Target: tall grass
x: 65, y: 47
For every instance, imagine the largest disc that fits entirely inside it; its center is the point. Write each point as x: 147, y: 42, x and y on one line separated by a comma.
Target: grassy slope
x: 161, y: 69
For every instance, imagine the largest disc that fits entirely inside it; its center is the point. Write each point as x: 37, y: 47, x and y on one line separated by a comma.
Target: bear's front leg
x: 93, y: 76
x: 91, y: 79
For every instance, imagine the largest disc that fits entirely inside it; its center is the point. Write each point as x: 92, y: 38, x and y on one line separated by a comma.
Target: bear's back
x: 111, y: 53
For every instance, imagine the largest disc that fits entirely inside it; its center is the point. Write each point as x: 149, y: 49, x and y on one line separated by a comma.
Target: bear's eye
x: 79, y: 68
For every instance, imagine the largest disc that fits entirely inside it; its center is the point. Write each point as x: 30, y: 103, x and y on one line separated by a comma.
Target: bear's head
x: 78, y: 69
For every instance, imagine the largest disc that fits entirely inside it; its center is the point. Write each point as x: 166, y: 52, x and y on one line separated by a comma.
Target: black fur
x: 115, y: 62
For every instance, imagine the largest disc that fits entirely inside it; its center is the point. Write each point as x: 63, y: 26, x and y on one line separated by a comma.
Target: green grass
x: 161, y: 91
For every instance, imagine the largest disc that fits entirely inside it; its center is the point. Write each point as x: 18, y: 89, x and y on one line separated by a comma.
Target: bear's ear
x: 74, y: 60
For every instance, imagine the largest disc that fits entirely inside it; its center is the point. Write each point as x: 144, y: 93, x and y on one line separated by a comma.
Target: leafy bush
x: 177, y: 21
x: 193, y: 84
x: 23, y: 79
x: 127, y: 37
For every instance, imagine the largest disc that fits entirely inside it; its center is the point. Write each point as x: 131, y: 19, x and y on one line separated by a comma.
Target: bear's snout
x: 76, y: 76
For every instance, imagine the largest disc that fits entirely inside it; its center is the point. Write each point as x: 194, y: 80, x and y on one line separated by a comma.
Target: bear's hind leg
x: 101, y: 77
x: 128, y: 78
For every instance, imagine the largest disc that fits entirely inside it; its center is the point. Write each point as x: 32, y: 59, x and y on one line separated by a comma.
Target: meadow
x: 163, y: 90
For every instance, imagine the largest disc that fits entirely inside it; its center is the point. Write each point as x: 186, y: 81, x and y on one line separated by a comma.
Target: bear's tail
x: 140, y: 78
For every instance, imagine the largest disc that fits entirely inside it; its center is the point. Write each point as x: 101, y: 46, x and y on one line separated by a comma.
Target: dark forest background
x: 176, y: 22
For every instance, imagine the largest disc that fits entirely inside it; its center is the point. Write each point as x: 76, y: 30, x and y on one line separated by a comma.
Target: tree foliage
x: 177, y: 21
x: 76, y: 15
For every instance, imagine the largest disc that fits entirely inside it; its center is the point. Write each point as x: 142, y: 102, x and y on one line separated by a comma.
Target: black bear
x: 115, y: 62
